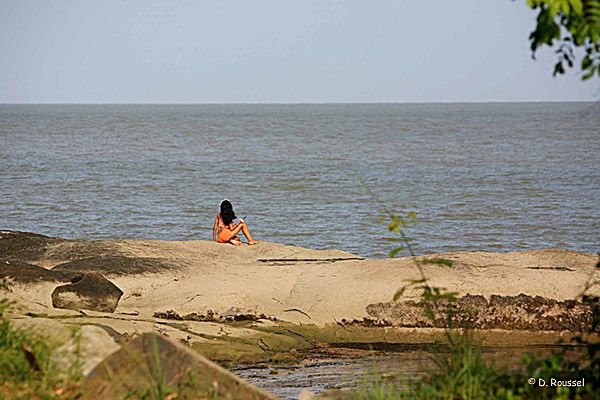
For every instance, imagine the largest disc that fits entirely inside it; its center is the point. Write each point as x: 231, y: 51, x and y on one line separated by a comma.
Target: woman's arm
x: 215, y: 227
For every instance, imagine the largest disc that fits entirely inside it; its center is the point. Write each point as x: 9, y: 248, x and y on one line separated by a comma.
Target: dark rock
x: 22, y: 272
x: 114, y: 265
x: 31, y: 247
x: 92, y: 292
x: 237, y: 314
x: 24, y: 246
x: 471, y: 300
x: 169, y: 314
x: 520, y: 312
x: 234, y: 314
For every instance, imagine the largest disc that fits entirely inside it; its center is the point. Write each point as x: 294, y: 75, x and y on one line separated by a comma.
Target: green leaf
x: 586, y: 62
x: 395, y: 251
x: 588, y: 75
x: 558, y: 69
x: 553, y: 8
x: 577, y: 6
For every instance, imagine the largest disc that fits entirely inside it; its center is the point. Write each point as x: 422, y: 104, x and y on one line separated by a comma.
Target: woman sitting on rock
x: 225, y: 230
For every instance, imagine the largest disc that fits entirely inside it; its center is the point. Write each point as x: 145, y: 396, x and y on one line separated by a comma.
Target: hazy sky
x: 274, y: 51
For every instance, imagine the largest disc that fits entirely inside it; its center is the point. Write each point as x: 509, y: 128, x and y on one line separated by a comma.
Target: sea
x: 479, y: 176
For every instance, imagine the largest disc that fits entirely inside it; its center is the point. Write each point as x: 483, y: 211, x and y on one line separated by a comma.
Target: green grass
x: 461, y: 374
x: 26, y: 367
x: 374, y: 387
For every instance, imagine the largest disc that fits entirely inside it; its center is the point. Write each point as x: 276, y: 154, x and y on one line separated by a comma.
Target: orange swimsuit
x: 224, y: 235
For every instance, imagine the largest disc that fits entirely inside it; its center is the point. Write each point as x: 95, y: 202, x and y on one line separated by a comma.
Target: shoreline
x: 273, y: 303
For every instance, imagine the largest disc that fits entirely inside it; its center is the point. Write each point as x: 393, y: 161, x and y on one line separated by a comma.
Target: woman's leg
x: 246, y: 233
x: 244, y: 228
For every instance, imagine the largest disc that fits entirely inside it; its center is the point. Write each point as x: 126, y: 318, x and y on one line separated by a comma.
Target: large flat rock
x: 288, y: 282
x: 151, y: 363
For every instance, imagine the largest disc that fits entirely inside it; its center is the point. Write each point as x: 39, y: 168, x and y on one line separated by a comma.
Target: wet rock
x: 114, y: 265
x: 22, y: 272
x: 91, y: 292
x: 24, y: 246
x: 32, y: 248
x: 134, y: 369
x: 521, y: 312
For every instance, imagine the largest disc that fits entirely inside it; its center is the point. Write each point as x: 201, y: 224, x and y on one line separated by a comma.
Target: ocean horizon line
x: 298, y: 103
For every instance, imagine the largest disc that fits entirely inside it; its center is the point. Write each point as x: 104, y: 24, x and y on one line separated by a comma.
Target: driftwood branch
x: 293, y: 260
x: 297, y: 310
x: 277, y: 300
x: 311, y: 342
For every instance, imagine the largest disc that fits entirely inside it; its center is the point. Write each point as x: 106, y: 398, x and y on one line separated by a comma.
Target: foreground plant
x: 461, y: 373
x: 26, y: 367
x: 567, y: 26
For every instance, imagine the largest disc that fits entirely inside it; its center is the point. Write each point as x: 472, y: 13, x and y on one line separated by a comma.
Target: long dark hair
x: 227, y: 213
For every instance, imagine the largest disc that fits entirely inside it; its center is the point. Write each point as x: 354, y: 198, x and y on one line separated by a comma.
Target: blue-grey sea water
x: 501, y: 177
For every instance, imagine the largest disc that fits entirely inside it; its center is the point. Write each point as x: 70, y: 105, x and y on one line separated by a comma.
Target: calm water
x: 481, y: 176
x: 343, y: 372
x: 351, y: 372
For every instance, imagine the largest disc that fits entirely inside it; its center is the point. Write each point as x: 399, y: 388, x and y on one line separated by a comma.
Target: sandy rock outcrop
x: 289, y: 283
